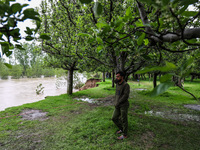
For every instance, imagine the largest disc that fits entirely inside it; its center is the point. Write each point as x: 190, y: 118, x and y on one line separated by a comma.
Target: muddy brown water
x: 15, y: 92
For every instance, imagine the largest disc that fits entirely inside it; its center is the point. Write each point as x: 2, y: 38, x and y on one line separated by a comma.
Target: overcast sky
x: 27, y: 23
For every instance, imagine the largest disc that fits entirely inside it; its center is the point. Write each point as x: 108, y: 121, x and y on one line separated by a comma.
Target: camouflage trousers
x: 120, y: 118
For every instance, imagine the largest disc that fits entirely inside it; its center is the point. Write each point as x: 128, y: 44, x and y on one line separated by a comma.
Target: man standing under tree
x: 120, y: 115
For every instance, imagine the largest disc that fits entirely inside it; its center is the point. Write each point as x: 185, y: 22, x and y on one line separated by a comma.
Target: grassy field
x: 73, y: 124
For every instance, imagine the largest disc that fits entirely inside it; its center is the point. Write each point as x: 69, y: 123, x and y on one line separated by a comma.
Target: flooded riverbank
x: 15, y: 92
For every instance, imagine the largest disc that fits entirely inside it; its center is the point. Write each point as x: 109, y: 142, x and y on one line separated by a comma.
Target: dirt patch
x: 147, y: 139
x: 76, y: 112
x: 164, y: 146
x: 91, y: 83
x: 31, y: 114
x: 107, y: 101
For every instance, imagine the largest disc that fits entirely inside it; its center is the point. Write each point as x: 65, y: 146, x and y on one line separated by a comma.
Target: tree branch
x: 187, y: 92
x: 93, y: 16
x: 181, y: 51
x: 111, y: 10
x: 186, y: 33
x: 68, y: 13
x: 59, y: 52
x: 144, y: 17
x: 102, y: 62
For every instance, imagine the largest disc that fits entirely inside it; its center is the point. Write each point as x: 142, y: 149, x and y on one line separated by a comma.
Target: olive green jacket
x: 122, y: 94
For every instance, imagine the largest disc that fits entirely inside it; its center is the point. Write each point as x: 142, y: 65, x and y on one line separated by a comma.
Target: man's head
x: 119, y: 77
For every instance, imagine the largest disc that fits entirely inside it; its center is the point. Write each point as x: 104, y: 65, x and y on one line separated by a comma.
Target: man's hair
x: 121, y: 73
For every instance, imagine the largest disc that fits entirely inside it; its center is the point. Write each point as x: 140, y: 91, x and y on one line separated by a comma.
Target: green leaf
x: 188, y: 2
x: 15, y: 32
x: 29, y: 38
x: 128, y: 11
x: 19, y: 47
x: 165, y: 78
x: 38, y: 24
x: 4, y: 44
x: 148, y: 1
x: 189, y: 13
x: 1, y: 35
x: 187, y: 63
x: 84, y: 34
x: 118, y: 22
x: 45, y: 36
x: 146, y: 41
x: 30, y: 13
x: 28, y: 31
x: 139, y: 23
x: 101, y: 25
x: 99, y: 48
x: 97, y: 8
x: 91, y: 40
x: 11, y: 22
x: 146, y: 57
x: 99, y: 40
x: 140, y: 39
x: 106, y: 30
x: 170, y: 66
x: 16, y: 8
x: 165, y: 2
x: 24, y: 5
x: 161, y: 88
x: 121, y: 25
x: 182, y: 9
x: 86, y: 1
x: 5, y: 48
x: 8, y: 65
x: 144, y: 70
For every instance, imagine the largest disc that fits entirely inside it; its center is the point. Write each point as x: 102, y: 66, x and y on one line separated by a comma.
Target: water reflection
x: 15, y: 92
x: 86, y: 99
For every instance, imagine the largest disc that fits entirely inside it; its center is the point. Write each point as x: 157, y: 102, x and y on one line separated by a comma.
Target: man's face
x: 118, y: 78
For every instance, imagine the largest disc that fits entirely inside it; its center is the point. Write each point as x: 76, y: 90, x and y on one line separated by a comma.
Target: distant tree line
x: 27, y: 63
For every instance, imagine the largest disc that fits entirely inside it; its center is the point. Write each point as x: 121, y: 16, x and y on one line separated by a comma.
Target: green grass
x: 73, y: 124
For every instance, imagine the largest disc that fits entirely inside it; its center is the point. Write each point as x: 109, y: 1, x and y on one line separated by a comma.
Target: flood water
x: 15, y: 92
x: 174, y: 116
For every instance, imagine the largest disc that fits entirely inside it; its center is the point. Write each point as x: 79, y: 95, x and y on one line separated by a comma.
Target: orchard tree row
x: 134, y: 36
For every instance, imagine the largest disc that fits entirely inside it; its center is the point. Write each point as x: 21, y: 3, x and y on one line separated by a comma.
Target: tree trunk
x: 143, y: 77
x: 133, y: 76
x: 149, y: 77
x: 104, y: 77
x: 138, y: 77
x: 192, y: 78
x: 155, y: 79
x: 70, y: 81
x: 177, y: 81
x: 113, y: 78
x: 126, y: 77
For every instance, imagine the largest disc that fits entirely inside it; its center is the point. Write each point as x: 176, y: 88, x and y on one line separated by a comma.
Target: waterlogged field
x: 70, y: 123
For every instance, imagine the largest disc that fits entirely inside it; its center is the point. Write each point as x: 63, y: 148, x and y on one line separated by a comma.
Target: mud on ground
x: 32, y: 114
